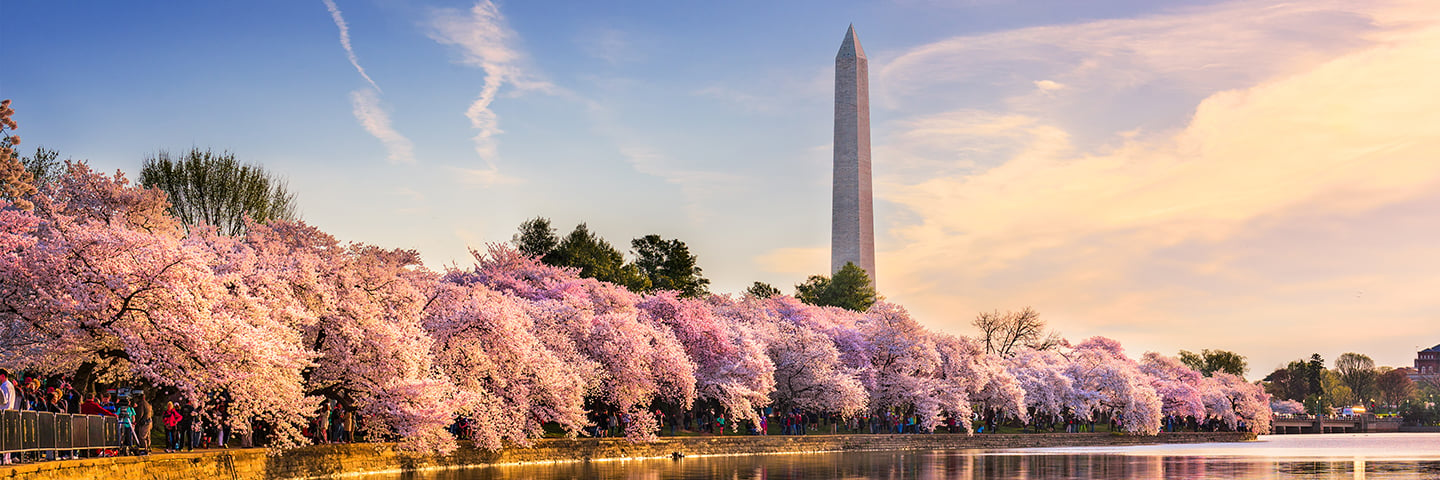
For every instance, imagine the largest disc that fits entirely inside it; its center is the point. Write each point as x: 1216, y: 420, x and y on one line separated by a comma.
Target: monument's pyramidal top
x: 850, y: 47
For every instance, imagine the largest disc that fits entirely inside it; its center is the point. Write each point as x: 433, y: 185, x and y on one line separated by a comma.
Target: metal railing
x: 27, y: 431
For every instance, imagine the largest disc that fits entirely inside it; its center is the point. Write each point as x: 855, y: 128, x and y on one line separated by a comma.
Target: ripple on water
x: 1293, y: 457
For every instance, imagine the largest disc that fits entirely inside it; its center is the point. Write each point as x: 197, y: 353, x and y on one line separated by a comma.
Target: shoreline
x: 353, y: 460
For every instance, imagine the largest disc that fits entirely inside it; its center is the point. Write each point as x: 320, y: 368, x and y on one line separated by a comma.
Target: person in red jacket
x: 172, y: 427
x: 92, y: 407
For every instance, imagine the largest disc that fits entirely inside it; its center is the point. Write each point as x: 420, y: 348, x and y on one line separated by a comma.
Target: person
x: 186, y: 428
x: 7, y: 400
x: 108, y: 401
x: 144, y: 422
x: 55, y: 401
x: 222, y: 418
x: 72, y: 399
x: 172, y: 428
x: 322, y: 425
x: 350, y: 425
x: 337, y: 424
x: 92, y: 407
x: 128, y: 440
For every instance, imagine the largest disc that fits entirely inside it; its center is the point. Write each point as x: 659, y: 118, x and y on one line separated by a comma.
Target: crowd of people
x: 186, y: 426
x: 55, y: 394
x: 712, y: 421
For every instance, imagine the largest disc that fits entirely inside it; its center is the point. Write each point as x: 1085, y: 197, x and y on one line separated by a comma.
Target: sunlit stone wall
x: 332, y: 460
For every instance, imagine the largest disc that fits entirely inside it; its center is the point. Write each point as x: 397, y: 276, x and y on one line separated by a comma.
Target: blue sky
x: 1172, y: 174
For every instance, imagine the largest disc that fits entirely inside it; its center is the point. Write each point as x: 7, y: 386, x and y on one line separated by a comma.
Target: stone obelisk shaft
x: 852, y: 228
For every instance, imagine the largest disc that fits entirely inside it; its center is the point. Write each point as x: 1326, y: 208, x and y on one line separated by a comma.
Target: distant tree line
x: 1354, y: 381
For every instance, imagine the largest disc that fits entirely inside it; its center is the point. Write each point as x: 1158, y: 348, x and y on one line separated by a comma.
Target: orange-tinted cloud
x: 1303, y: 115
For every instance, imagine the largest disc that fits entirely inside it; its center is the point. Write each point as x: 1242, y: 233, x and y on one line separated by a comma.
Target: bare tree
x: 1003, y: 332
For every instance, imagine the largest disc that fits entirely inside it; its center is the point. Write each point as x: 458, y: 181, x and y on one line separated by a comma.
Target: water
x: 1330, y: 456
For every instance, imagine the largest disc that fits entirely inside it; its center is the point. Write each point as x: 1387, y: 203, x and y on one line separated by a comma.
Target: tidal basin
x: 1330, y: 456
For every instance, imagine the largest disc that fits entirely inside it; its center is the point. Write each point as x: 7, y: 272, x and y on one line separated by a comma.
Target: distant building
x: 1427, y: 361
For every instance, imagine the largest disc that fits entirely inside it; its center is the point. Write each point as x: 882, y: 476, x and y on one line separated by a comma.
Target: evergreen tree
x: 598, y: 259
x: 44, y: 166
x: 536, y: 238
x: 850, y: 289
x: 762, y: 290
x: 668, y: 265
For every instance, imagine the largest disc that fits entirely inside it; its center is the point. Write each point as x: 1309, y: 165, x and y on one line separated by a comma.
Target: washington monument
x: 852, y: 220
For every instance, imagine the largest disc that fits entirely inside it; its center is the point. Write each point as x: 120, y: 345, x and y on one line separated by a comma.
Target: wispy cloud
x: 367, y: 109
x: 699, y: 187
x: 608, y: 44
x: 1049, y: 85
x: 1186, y: 54
x: 748, y: 101
x: 486, y: 42
x: 345, y: 41
x: 365, y: 102
x: 484, y: 177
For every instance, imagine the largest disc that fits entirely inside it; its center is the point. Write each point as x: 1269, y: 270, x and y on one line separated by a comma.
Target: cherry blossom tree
x: 506, y: 379
x: 102, y: 286
x: 1287, y: 407
x: 906, y: 375
x: 628, y: 363
x: 358, y: 307
x: 981, y: 378
x: 1177, y: 384
x: 1247, y: 402
x: 1050, y: 393
x: 1120, y: 389
x: 731, y: 364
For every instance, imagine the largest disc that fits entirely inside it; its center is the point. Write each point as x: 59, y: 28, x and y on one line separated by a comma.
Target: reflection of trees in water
x: 946, y: 465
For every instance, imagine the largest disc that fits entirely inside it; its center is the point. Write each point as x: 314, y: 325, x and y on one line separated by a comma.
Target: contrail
x: 345, y: 41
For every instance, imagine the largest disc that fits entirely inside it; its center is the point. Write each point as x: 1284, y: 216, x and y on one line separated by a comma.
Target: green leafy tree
x: 215, y: 189
x: 1296, y: 381
x: 1336, y: 393
x: 1287, y: 383
x: 1395, y: 386
x: 850, y: 289
x: 598, y: 259
x: 1357, y: 372
x: 668, y: 265
x: 762, y: 290
x: 1317, y: 404
x: 1423, y: 409
x: 536, y: 238
x: 1210, y: 361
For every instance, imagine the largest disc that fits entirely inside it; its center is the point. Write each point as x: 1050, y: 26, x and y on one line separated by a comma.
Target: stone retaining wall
x: 337, y: 460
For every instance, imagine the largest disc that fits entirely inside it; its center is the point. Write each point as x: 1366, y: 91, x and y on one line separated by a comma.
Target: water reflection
x: 952, y: 464
x: 1335, y: 460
